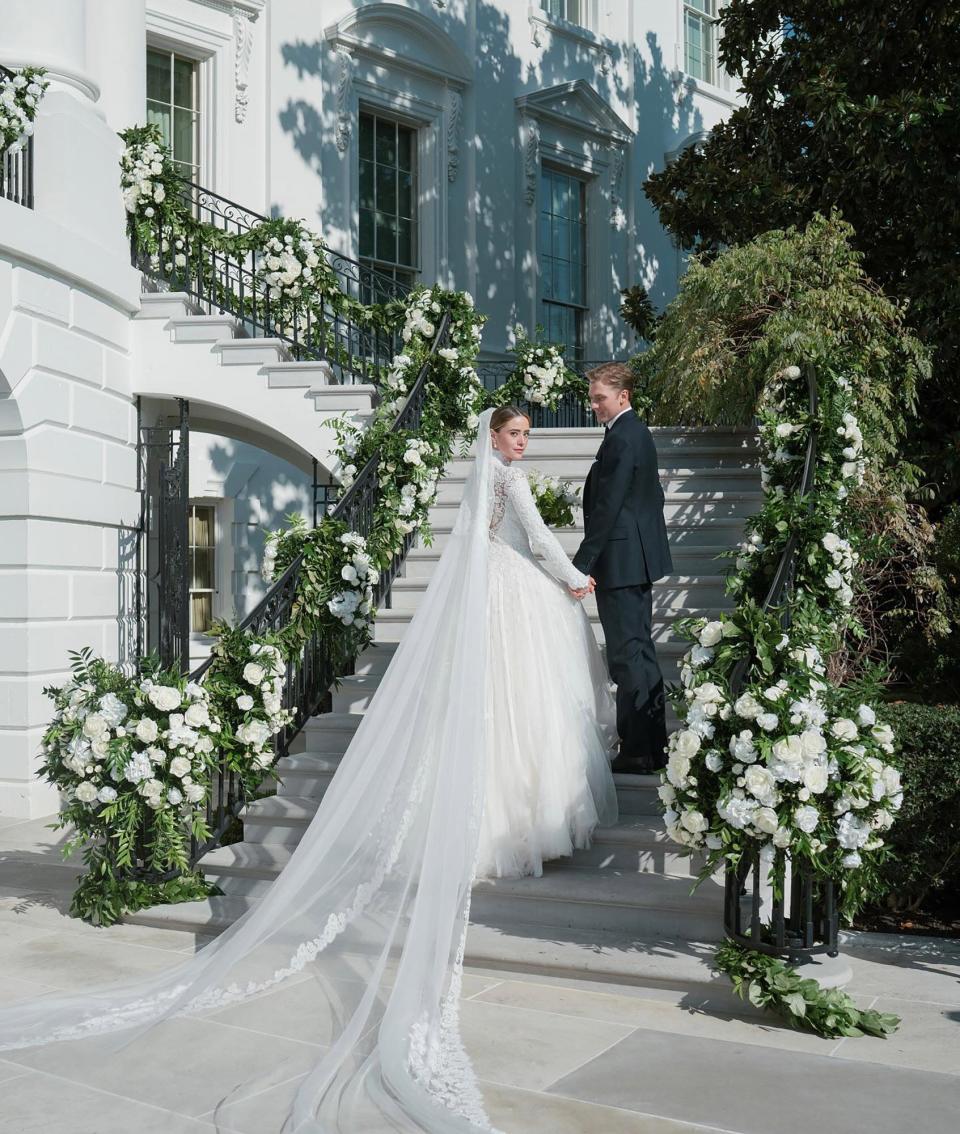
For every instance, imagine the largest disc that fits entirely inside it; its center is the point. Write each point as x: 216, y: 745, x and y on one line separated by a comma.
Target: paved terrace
x: 556, y: 1056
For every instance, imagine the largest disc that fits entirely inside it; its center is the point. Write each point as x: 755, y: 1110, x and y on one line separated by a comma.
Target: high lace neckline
x: 498, y: 456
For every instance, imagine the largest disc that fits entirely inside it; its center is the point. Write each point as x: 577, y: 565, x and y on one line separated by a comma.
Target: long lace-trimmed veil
x: 360, y: 940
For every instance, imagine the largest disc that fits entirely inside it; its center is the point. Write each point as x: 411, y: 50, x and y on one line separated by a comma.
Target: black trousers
x: 626, y: 614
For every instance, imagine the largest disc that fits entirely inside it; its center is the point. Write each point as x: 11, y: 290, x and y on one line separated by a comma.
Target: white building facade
x: 497, y: 147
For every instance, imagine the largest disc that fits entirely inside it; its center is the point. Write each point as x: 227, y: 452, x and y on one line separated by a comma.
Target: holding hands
x: 582, y: 592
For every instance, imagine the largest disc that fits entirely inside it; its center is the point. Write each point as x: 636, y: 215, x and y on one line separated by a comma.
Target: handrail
x: 572, y: 411
x: 218, y: 280
x: 16, y: 170
x: 310, y: 677
x: 812, y: 916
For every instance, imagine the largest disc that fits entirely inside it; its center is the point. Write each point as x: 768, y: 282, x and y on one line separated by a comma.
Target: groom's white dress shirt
x: 617, y: 418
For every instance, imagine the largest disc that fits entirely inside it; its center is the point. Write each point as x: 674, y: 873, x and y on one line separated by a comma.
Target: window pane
x: 386, y: 142
x: 366, y: 137
x: 405, y: 201
x: 406, y: 241
x: 201, y: 527
x: 366, y: 184
x: 160, y: 116
x: 366, y: 233
x: 183, y: 82
x: 386, y: 237
x: 386, y: 189
x: 201, y: 612
x: 202, y: 578
x: 158, y: 76
x: 560, y: 238
x: 405, y: 149
x: 183, y: 134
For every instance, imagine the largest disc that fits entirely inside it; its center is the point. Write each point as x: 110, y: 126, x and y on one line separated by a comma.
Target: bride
x: 483, y: 753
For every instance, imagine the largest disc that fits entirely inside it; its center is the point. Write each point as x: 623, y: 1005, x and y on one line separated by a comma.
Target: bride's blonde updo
x: 501, y: 416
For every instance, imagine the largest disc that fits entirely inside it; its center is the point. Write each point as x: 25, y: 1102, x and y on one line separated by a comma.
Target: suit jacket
x: 625, y: 537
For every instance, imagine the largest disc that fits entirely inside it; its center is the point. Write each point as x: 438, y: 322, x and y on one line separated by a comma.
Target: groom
x: 625, y: 551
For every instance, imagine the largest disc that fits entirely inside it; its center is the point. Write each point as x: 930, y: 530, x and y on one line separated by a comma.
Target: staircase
x: 245, y: 382
x: 620, y: 910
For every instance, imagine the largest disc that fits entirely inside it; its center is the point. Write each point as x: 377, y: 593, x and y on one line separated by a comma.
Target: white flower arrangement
x: 354, y: 605
x: 543, y: 374
x: 20, y: 95
x: 142, y: 169
x: 792, y: 763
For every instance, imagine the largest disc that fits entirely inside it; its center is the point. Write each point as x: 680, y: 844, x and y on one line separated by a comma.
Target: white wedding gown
x: 547, y: 780
x: 485, y: 719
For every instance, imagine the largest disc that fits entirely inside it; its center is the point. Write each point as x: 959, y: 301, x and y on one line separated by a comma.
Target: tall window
x: 173, y: 104
x: 563, y: 258
x: 575, y: 11
x: 389, y: 240
x: 701, y: 35
x: 202, y: 543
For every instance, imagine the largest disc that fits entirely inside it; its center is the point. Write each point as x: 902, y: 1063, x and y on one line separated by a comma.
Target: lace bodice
x: 516, y: 523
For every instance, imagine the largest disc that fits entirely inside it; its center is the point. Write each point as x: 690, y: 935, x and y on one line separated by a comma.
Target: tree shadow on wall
x: 494, y: 221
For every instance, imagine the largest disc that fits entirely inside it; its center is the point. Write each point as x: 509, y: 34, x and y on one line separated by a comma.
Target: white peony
x: 95, y: 725
x: 806, y: 818
x: 174, y: 796
x: 166, y: 698
x: 768, y: 721
x: 245, y: 702
x: 844, y: 729
x: 146, y: 730
x: 711, y: 634
x: 678, y: 769
x: 107, y: 794
x: 666, y: 793
x: 686, y: 743
x: 694, y: 822
x: 760, y: 782
x: 766, y: 820
x: 815, y: 778
x: 86, y: 792
x: 197, y: 715
x: 713, y: 760
x: 747, y: 706
x: 194, y: 792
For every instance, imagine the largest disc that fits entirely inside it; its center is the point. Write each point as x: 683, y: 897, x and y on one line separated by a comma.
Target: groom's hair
x: 617, y: 375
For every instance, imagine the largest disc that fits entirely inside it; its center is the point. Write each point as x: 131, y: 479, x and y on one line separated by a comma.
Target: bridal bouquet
x: 556, y: 499
x: 20, y: 96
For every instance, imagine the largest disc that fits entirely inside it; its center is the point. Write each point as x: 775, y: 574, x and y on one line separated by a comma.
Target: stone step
x: 299, y: 375
x: 166, y: 305
x: 668, y: 440
x: 689, y: 532
x: 686, y: 507
x: 710, y: 559
x: 583, y: 901
x: 203, y: 328
x: 252, y: 352
x: 335, y: 400
x: 698, y: 481
x: 673, y: 592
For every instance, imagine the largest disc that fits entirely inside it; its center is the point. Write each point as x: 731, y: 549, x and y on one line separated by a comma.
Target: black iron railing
x: 323, y: 658
x: 232, y: 282
x: 808, y: 923
x: 16, y: 170
x: 573, y: 412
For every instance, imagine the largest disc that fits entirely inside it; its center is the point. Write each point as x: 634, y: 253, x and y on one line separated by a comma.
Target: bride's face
x: 510, y: 440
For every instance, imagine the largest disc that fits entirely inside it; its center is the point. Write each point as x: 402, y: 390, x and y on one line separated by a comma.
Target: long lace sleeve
x: 542, y: 541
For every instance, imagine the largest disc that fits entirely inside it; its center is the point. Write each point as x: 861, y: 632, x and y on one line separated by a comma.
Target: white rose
x: 713, y: 761
x: 253, y: 674
x: 687, y: 743
x: 806, y: 818
x: 166, y: 698
x: 666, y: 793
x: 815, y: 778
x: 882, y: 734
x: 86, y: 792
x: 747, y: 706
x: 866, y: 716
x: 759, y: 781
x: 844, y: 729
x: 694, y: 822
x: 767, y: 721
x: 711, y: 634
x: 852, y: 860
x: 179, y: 766
x: 197, y: 715
x: 94, y: 726
x: 147, y: 730
x: 194, y: 792
x: 813, y: 744
x: 678, y: 768
x: 107, y: 794
x: 708, y: 692
x: 245, y: 702
x: 766, y: 820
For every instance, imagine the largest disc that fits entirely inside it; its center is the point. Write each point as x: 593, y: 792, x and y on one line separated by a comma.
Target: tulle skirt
x: 551, y: 722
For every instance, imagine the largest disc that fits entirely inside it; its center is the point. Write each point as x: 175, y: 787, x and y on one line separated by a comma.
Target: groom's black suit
x: 625, y: 550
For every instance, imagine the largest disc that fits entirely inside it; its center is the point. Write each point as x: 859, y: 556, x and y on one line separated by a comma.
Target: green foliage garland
x: 772, y: 984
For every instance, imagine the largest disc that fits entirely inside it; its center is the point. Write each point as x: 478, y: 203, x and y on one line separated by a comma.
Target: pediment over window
x: 577, y: 106
x: 402, y: 39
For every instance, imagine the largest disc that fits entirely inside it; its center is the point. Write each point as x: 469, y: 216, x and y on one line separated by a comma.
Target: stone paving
x: 556, y: 1056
